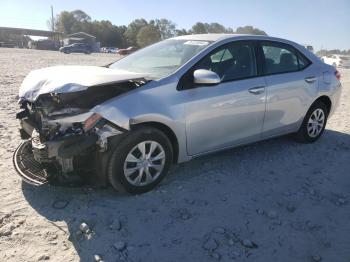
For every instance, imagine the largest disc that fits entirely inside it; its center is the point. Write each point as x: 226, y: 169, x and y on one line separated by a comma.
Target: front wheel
x: 139, y: 162
x: 314, y: 123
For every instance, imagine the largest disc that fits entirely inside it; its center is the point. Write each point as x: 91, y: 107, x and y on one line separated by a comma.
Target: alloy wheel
x: 144, y: 163
x: 316, y: 123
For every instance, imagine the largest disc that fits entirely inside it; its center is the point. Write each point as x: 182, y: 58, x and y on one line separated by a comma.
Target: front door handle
x: 257, y: 90
x: 310, y: 79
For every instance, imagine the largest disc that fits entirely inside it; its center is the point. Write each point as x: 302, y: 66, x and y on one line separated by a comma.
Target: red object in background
x: 126, y: 51
x: 337, y: 74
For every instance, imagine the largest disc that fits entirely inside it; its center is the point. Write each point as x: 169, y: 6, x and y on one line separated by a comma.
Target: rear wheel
x: 314, y: 123
x: 139, y: 162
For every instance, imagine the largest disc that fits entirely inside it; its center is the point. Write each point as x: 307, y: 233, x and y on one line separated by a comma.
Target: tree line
x: 139, y: 32
x: 325, y: 52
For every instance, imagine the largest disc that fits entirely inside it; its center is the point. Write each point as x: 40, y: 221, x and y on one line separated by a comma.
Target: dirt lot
x: 272, y: 201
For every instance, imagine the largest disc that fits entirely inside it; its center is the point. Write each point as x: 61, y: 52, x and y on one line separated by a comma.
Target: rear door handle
x: 310, y: 79
x: 257, y: 90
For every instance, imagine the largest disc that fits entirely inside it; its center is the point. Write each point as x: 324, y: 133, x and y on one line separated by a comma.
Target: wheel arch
x: 167, y: 131
x: 326, y: 100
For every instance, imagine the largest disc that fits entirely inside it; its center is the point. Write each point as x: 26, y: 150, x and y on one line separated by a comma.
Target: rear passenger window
x: 303, y: 61
x: 281, y: 58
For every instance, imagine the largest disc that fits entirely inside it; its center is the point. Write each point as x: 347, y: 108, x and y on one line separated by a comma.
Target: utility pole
x: 52, y: 21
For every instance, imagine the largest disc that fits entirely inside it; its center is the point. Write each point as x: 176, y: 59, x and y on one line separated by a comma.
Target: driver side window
x: 231, y: 62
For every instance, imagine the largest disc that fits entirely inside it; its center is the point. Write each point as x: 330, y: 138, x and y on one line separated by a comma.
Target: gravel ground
x: 272, y: 201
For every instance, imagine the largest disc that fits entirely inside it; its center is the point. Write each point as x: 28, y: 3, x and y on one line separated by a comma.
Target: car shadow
x: 155, y: 225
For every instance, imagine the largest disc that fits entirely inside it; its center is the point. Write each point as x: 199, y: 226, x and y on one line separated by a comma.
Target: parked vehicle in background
x: 309, y: 47
x: 76, y: 48
x: 337, y: 60
x: 109, y: 50
x: 8, y: 45
x: 168, y: 103
x: 127, y: 51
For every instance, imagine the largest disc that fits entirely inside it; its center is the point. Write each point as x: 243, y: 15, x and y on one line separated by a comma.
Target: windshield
x: 161, y: 59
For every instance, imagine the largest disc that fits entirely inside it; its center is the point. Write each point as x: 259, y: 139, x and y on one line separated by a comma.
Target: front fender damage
x: 65, y: 134
x: 114, y: 114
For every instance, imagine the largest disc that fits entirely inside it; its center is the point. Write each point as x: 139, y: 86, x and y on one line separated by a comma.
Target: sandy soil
x: 272, y: 201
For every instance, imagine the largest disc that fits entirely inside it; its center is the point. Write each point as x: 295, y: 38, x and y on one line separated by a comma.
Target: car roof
x: 216, y: 38
x: 220, y: 37
x: 206, y: 37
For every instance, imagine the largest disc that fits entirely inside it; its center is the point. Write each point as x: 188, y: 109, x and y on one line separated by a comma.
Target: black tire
x: 303, y: 135
x: 118, y: 154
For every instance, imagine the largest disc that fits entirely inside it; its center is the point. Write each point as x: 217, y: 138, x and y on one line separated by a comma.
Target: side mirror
x: 206, y: 77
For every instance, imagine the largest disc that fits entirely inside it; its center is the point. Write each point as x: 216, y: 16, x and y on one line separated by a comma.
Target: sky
x: 321, y: 23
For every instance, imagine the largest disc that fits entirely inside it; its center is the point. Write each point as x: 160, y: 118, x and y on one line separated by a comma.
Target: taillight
x: 337, y: 74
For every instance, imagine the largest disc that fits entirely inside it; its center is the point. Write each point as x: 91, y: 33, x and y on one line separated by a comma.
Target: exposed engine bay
x: 61, y: 131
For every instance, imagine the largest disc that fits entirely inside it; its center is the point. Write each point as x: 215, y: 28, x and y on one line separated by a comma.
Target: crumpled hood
x: 67, y: 79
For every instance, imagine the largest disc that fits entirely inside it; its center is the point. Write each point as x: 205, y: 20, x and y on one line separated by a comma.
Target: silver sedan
x: 168, y: 103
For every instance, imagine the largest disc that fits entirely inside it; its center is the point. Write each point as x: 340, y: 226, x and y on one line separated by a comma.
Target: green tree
x: 105, y: 32
x: 166, y: 28
x: 179, y: 32
x: 199, y: 28
x: 123, y: 36
x: 133, y: 30
x: 81, y: 16
x: 148, y: 35
x: 65, y: 22
x: 216, y: 28
x: 250, y: 30
x: 324, y: 52
x: 205, y: 28
x: 229, y: 30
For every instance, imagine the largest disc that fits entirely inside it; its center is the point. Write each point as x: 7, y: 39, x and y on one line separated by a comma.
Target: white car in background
x: 109, y: 50
x: 337, y: 60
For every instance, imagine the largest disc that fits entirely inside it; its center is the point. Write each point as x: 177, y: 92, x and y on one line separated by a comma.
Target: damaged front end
x: 62, y: 135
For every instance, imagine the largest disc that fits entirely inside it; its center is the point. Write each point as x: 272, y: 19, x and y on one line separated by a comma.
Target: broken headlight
x: 92, y: 121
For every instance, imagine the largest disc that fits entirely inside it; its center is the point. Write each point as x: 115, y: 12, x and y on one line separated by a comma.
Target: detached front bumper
x: 67, y: 148
x: 35, y: 163
x: 27, y: 167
